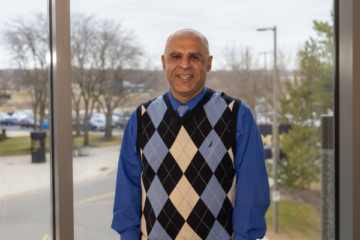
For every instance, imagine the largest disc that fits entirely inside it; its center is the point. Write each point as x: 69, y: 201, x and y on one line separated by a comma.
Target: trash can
x: 38, y: 146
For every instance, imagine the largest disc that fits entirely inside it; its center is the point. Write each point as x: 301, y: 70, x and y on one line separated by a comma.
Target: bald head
x: 188, y: 33
x: 186, y: 61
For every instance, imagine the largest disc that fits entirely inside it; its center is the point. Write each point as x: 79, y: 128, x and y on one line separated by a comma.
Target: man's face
x: 186, y: 63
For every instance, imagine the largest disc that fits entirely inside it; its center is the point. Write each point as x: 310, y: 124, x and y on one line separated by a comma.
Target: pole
x: 327, y: 179
x: 265, y: 60
x: 275, y: 139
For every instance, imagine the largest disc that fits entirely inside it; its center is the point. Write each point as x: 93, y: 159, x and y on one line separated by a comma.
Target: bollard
x: 327, y: 179
x: 4, y: 131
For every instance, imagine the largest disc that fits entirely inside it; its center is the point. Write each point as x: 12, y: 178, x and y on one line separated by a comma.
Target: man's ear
x: 163, y: 62
x: 209, y: 63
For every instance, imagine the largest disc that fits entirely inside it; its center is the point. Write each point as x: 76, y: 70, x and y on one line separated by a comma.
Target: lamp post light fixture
x: 275, y: 136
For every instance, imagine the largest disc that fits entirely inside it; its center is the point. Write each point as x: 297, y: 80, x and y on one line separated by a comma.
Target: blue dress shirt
x: 252, y: 197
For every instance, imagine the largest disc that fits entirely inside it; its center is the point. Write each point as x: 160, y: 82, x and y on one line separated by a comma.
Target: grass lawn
x: 21, y: 145
x: 297, y: 221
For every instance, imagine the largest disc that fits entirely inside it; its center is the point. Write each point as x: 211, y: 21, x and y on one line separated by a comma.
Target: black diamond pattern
x: 149, y: 215
x: 148, y: 174
x: 208, y: 219
x: 169, y: 173
x: 170, y: 219
x: 200, y: 208
x: 193, y: 220
x: 202, y: 230
x: 168, y: 130
x: 225, y: 216
x: 198, y: 128
x: 225, y: 173
x: 222, y: 128
x: 147, y: 130
x: 198, y: 181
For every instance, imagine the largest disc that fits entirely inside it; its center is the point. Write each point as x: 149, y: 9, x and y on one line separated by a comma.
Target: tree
x: 114, y: 52
x: 26, y: 41
x: 308, y: 97
x: 82, y: 40
x: 244, y: 80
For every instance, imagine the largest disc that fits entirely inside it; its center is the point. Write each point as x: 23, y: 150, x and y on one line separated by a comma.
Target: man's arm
x: 127, y: 204
x: 252, y: 197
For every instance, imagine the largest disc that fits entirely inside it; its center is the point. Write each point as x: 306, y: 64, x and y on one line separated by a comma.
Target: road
x: 28, y: 216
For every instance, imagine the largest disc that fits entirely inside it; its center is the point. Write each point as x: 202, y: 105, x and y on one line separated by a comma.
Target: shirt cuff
x: 249, y: 222
x: 130, y: 235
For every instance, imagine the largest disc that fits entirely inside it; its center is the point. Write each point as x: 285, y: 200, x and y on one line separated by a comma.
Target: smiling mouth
x: 185, y: 76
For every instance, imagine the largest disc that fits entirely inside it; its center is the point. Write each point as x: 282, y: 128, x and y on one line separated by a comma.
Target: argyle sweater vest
x: 188, y: 180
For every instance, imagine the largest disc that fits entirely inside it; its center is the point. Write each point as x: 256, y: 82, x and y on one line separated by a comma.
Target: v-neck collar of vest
x: 192, y: 112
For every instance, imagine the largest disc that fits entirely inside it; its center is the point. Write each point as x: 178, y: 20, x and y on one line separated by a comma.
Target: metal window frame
x: 62, y: 212
x: 347, y: 127
x: 346, y: 115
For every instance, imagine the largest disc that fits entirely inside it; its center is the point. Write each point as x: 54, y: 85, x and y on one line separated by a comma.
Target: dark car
x: 26, y: 122
x: 29, y: 122
x: 9, y: 121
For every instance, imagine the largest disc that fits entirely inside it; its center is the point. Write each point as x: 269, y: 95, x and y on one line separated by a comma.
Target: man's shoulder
x: 161, y: 98
x: 232, y: 102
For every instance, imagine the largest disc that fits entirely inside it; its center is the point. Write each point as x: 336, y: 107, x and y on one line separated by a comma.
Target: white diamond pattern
x: 184, y: 197
x: 183, y: 149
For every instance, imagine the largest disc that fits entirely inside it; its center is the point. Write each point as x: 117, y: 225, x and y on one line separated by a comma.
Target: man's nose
x: 185, y: 63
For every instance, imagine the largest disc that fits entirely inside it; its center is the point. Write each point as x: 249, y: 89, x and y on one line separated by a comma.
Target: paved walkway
x: 18, y: 175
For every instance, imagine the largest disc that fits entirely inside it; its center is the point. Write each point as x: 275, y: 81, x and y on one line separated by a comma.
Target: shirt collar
x: 191, y: 104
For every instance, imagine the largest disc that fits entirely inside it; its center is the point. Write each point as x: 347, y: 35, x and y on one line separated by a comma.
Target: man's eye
x: 194, y: 57
x: 177, y: 57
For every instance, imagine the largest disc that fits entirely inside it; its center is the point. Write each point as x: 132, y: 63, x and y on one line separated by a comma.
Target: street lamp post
x: 275, y: 139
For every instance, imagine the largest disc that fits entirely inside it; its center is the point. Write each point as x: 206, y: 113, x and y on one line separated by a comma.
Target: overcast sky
x: 224, y: 23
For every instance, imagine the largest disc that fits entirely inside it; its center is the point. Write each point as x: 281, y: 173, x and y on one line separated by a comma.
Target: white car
x: 4, y: 115
x: 19, y: 115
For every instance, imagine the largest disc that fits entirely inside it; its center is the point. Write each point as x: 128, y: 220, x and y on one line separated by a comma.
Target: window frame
x: 346, y: 141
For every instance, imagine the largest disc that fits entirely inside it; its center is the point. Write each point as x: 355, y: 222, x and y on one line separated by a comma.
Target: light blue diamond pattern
x: 217, y: 232
x: 215, y: 152
x: 155, y: 151
x: 156, y: 110
x: 214, y: 108
x: 157, y: 195
x: 213, y: 196
x: 158, y: 232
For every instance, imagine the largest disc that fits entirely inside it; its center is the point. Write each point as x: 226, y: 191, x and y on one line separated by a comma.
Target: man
x: 192, y: 163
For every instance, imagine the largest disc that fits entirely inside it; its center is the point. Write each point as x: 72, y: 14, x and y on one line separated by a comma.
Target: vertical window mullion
x: 60, y: 124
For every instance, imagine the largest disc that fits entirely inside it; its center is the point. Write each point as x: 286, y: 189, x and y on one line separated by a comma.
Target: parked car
x: 97, y: 125
x: 18, y: 115
x: 102, y: 117
x: 4, y: 115
x: 122, y: 119
x: 29, y: 122
x: 9, y: 121
x: 26, y: 123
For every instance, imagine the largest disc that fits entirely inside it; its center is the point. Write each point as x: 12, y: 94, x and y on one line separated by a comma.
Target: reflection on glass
x: 116, y: 66
x: 24, y: 144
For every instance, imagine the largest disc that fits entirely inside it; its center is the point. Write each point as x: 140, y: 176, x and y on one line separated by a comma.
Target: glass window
x: 24, y: 108
x: 116, y: 66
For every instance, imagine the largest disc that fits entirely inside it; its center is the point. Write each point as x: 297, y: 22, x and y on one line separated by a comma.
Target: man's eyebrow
x: 196, y: 54
x: 173, y: 53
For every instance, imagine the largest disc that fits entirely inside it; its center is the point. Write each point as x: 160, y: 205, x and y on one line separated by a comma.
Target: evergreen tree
x: 308, y: 97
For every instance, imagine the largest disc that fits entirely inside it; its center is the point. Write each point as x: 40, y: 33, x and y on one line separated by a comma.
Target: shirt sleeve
x: 127, y: 204
x: 252, y: 198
